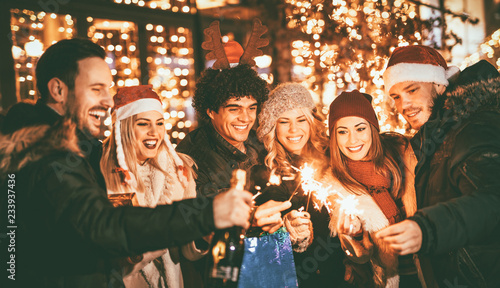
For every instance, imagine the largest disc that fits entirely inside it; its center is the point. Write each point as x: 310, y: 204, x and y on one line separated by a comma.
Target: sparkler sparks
x: 349, y: 205
x: 322, y: 195
x: 274, y: 180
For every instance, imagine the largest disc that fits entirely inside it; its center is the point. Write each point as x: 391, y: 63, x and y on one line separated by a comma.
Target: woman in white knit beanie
x: 294, y: 133
x: 139, y: 158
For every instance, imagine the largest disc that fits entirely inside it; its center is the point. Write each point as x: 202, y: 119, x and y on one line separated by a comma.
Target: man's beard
x: 71, y: 112
x: 436, y: 101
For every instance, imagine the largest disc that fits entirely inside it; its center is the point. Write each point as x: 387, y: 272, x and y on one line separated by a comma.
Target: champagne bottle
x: 226, y: 252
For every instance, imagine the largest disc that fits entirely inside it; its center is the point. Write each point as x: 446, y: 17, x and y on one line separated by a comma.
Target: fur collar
x: 464, y: 101
x: 30, y: 144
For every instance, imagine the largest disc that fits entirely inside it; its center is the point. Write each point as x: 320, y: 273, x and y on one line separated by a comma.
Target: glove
x: 299, y: 225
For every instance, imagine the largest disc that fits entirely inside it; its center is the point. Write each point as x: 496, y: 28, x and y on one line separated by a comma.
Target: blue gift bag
x: 268, y: 262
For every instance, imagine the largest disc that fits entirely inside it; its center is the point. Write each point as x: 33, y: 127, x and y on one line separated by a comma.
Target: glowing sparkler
x: 349, y: 205
x: 274, y: 180
x: 256, y: 195
x: 322, y: 195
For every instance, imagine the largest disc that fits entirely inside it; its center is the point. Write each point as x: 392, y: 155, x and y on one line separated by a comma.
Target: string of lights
x: 346, y: 45
x: 490, y: 50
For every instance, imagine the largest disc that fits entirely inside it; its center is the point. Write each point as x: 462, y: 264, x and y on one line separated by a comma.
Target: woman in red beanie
x: 139, y: 158
x: 378, y: 169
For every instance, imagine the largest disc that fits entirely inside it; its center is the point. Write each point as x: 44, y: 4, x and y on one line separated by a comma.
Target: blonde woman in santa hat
x: 294, y: 133
x: 377, y: 168
x: 138, y: 157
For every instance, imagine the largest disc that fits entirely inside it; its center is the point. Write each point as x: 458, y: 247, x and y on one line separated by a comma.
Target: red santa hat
x: 130, y: 101
x: 419, y: 64
x: 133, y: 100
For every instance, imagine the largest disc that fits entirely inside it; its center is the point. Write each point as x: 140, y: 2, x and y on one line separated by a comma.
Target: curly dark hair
x: 215, y: 87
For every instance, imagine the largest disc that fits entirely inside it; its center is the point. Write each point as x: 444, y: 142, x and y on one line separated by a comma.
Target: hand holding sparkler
x: 403, y: 238
x: 298, y: 224
x: 324, y: 195
x: 348, y: 222
x: 268, y: 215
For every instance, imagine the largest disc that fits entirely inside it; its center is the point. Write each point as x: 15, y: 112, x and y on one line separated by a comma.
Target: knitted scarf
x: 378, y: 187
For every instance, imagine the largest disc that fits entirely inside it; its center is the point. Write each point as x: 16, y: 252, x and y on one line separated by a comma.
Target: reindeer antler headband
x: 216, y: 48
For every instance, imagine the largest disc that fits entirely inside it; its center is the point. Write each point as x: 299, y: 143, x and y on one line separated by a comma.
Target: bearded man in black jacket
x: 456, y: 230
x: 68, y: 234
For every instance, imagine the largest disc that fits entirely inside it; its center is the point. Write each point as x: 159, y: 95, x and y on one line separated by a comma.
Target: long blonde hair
x: 278, y: 159
x: 385, y: 152
x: 109, y: 162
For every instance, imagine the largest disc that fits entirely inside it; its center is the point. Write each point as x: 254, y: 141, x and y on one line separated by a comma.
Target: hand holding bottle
x: 226, y: 253
x: 232, y: 208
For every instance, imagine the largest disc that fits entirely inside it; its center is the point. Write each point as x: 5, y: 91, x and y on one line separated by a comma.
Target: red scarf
x: 378, y: 186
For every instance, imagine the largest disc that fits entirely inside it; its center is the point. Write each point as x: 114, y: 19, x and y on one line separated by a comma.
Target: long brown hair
x: 385, y: 152
x: 277, y: 158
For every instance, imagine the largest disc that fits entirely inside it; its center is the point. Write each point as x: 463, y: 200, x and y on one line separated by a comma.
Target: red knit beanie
x: 352, y: 103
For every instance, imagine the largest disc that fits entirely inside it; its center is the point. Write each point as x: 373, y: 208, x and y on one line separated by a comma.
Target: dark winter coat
x: 457, y: 181
x: 68, y: 234
x: 25, y: 115
x: 216, y: 159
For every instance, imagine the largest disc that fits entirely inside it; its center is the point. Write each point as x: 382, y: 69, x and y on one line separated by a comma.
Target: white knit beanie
x: 285, y: 97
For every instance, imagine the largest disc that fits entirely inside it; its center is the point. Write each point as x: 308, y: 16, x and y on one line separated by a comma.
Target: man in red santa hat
x: 456, y: 230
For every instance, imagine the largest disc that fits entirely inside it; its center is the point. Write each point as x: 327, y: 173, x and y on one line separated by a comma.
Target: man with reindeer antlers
x: 226, y: 99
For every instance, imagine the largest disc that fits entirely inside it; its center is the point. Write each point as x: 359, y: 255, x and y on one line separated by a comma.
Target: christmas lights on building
x: 333, y: 46
x: 345, y: 46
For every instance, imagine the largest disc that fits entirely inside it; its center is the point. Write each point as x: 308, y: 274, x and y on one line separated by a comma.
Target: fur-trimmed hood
x: 30, y: 144
x: 464, y: 101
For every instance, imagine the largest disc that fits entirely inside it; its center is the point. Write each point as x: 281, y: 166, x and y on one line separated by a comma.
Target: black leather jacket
x: 457, y: 181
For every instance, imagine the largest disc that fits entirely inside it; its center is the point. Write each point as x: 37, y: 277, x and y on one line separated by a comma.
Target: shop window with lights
x: 119, y: 39
x: 32, y: 33
x: 171, y: 72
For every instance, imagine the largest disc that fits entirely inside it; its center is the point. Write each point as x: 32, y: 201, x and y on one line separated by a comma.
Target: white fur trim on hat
x: 138, y: 106
x: 416, y: 72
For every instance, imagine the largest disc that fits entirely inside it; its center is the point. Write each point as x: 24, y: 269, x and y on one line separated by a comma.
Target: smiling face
x: 235, y: 119
x: 149, y: 131
x: 293, y: 130
x: 414, y: 100
x: 91, y: 98
x: 354, y: 137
